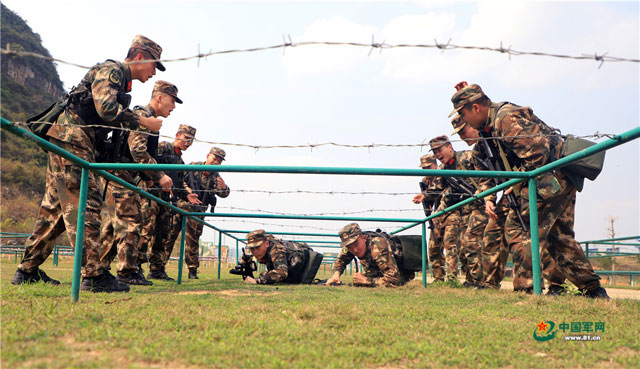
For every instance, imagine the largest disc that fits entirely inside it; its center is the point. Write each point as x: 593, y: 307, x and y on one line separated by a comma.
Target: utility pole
x: 612, y: 234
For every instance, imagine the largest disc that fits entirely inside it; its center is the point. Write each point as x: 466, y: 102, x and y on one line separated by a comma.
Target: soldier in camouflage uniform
x: 99, y: 99
x: 169, y: 223
x: 528, y: 143
x: 120, y: 233
x: 456, y: 223
x: 285, y: 262
x: 144, y: 150
x: 207, y: 185
x: 431, y: 198
x: 495, y: 250
x: 379, y: 257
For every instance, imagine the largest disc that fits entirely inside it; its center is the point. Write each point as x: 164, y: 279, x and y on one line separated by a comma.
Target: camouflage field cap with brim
x: 187, y: 130
x: 349, y: 234
x: 438, y: 142
x: 458, y: 124
x: 465, y: 96
x: 427, y: 160
x: 255, y: 238
x: 142, y: 43
x: 218, y: 152
x: 167, y: 88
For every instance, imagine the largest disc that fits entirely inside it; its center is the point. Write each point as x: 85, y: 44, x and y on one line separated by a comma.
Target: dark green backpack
x: 589, y: 167
x: 41, y: 123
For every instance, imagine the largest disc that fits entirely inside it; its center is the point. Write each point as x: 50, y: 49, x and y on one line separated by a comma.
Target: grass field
x: 211, y: 323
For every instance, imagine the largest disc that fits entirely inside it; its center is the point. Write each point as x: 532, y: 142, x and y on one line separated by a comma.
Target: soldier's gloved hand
x: 489, y: 208
x: 250, y: 280
x: 358, y: 278
x: 418, y: 198
x: 193, y: 199
x: 335, y: 278
x: 221, y: 184
x: 166, y: 183
x: 153, y: 124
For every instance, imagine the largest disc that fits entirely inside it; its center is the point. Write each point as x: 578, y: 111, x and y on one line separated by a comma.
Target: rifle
x: 246, y: 267
x: 427, y: 206
x: 493, y: 163
x: 461, y: 187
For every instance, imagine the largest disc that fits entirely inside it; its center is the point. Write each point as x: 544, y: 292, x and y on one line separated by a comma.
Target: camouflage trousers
x: 436, y: 254
x: 150, y: 210
x: 556, y: 212
x: 59, y: 212
x: 496, y: 251
x: 473, y: 227
x: 192, y: 243
x: 120, y: 234
x: 450, y: 241
x: 168, y: 227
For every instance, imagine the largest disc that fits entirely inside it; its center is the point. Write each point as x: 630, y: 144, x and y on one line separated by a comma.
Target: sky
x: 356, y: 95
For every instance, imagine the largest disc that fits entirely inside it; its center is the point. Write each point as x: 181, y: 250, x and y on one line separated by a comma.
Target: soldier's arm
x: 138, y: 148
x: 484, y: 183
x: 521, y: 134
x: 344, y: 258
x: 105, y: 89
x: 222, y: 192
x: 280, y: 269
x: 383, y: 257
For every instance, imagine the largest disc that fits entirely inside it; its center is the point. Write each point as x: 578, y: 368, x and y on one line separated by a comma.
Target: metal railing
x: 517, y: 177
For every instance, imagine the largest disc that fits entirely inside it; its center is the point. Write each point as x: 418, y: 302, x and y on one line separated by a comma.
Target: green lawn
x: 227, y: 324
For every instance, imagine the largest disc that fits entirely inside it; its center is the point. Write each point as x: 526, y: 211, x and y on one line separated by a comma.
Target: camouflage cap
x: 458, y: 124
x: 255, y: 238
x: 142, y: 43
x: 218, y: 152
x: 349, y: 234
x: 439, y: 141
x: 464, y: 96
x: 427, y: 160
x: 167, y: 88
x: 187, y: 130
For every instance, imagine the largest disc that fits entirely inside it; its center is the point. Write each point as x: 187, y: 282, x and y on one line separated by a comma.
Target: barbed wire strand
x: 316, y: 192
x: 596, y: 136
x: 320, y: 214
x: 600, y: 58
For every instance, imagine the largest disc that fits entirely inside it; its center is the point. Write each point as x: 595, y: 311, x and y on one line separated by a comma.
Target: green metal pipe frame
x: 613, y: 239
x: 518, y: 177
x: 535, y: 245
x: 183, y: 234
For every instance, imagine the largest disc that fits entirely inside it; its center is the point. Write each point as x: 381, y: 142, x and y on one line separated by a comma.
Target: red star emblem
x: 542, y: 327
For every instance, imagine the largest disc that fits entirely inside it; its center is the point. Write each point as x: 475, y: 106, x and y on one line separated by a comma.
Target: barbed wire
x: 323, y: 213
x: 596, y: 136
x: 297, y: 226
x: 510, y: 51
x: 319, y: 192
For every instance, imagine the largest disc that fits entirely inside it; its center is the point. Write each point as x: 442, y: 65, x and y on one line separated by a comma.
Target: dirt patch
x: 226, y: 293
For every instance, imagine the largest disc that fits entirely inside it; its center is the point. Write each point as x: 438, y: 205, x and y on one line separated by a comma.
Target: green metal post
x: 15, y: 252
x: 182, y: 238
x: 535, y: 244
x: 586, y: 249
x: 237, y: 251
x: 424, y: 255
x: 55, y: 255
x: 77, y: 256
x: 219, y: 252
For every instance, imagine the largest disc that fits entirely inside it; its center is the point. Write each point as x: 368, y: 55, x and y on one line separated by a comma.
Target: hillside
x: 28, y: 86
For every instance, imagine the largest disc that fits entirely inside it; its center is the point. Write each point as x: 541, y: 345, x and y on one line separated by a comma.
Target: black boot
x: 36, y: 276
x: 134, y: 278
x: 159, y: 274
x: 597, y: 293
x: 556, y: 290
x: 193, y: 273
x: 103, y: 283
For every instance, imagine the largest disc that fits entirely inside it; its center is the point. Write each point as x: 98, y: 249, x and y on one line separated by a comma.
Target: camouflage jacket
x: 462, y: 160
x: 106, y: 82
x: 207, y: 184
x: 169, y: 154
x: 141, y: 148
x: 284, y: 264
x: 528, y: 143
x: 379, y: 264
